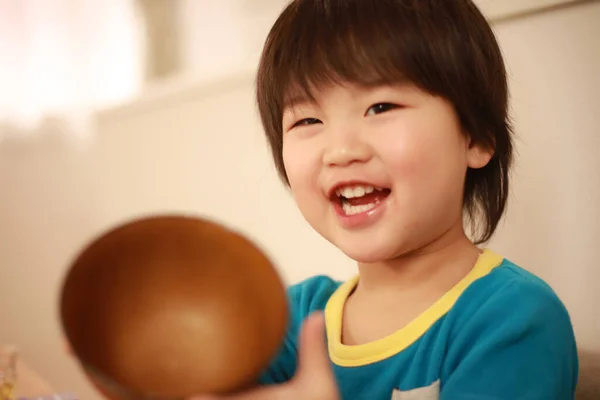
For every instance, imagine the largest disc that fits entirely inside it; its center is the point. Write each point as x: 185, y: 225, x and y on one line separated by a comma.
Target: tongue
x: 368, y: 198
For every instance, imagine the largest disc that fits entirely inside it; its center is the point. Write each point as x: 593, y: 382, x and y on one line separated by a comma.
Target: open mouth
x: 358, y: 199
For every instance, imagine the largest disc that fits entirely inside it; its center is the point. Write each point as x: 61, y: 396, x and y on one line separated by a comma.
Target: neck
x: 442, y: 262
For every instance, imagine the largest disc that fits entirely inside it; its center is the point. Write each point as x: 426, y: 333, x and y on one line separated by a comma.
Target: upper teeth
x: 350, y: 192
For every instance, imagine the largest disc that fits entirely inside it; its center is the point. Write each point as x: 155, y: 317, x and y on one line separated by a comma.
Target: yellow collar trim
x: 355, y: 356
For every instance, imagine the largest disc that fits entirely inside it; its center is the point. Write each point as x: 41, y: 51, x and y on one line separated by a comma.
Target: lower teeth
x: 353, y: 210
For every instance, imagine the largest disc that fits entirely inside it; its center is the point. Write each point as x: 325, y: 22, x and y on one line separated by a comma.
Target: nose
x: 345, y: 148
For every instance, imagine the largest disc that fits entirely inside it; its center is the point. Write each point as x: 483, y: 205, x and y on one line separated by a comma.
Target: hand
x: 314, y: 379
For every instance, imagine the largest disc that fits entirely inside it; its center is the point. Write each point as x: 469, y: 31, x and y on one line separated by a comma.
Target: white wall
x: 199, y: 148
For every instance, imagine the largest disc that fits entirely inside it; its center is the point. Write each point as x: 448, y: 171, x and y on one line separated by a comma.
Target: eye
x: 306, y: 121
x: 380, y: 108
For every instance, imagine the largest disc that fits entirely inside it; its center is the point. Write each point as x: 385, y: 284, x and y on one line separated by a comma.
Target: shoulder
x: 512, y: 308
x: 510, y: 326
x: 311, y: 294
x: 510, y: 299
x: 510, y: 289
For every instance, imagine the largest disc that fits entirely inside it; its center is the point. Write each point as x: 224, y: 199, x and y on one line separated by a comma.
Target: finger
x: 314, y: 379
x: 314, y: 363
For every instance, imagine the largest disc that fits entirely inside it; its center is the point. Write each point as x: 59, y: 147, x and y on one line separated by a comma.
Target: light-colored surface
x: 58, y: 57
x: 500, y: 9
x: 201, y: 150
x: 31, y: 384
x: 589, y: 373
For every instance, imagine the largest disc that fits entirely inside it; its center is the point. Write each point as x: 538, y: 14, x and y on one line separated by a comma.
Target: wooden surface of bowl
x: 171, y: 306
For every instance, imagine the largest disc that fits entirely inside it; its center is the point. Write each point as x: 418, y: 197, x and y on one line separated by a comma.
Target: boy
x: 388, y: 120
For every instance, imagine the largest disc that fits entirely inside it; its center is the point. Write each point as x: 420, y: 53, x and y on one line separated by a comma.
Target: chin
x: 368, y: 253
x: 376, y: 247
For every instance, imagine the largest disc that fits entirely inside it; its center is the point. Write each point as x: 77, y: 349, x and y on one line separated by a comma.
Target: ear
x: 478, y: 156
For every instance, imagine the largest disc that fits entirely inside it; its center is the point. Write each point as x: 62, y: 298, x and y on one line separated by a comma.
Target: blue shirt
x: 500, y: 333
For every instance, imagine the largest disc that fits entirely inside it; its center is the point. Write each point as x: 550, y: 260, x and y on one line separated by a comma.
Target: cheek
x: 301, y: 166
x: 410, y: 155
x: 426, y: 158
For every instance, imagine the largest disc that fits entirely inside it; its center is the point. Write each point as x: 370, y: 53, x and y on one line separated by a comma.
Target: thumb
x: 314, y: 363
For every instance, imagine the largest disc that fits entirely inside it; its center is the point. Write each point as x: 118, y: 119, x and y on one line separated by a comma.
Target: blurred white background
x: 114, y: 109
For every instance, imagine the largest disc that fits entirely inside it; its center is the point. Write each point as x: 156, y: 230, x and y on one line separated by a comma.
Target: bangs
x: 344, y: 41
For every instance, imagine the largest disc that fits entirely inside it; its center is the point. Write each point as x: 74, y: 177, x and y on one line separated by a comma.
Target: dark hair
x: 445, y: 47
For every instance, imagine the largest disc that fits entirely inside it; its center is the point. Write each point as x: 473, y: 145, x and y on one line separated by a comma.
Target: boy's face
x: 396, y: 155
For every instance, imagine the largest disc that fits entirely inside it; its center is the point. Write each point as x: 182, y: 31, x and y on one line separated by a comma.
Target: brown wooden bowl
x: 173, y: 306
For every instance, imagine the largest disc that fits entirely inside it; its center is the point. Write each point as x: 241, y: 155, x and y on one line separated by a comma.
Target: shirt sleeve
x: 303, y: 298
x: 283, y: 366
x: 518, y: 345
